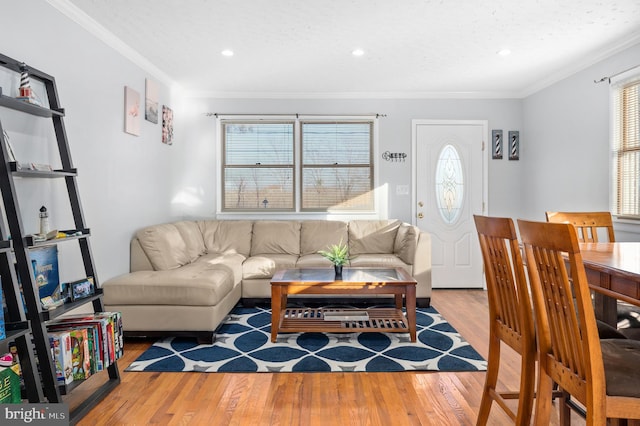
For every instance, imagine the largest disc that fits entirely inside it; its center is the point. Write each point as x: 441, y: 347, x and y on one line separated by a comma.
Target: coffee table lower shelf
x: 384, y: 320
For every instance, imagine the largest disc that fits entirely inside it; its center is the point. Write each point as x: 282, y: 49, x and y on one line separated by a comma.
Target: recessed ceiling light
x: 504, y: 52
x: 227, y: 52
x: 358, y: 52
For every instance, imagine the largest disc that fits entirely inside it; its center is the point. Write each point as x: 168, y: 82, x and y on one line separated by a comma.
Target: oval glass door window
x: 449, y: 184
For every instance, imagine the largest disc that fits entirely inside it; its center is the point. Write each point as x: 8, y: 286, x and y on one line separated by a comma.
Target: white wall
x: 125, y: 181
x: 565, y: 153
x: 394, y: 136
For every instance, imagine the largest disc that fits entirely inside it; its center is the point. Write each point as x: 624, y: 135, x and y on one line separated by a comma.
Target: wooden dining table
x: 613, y: 273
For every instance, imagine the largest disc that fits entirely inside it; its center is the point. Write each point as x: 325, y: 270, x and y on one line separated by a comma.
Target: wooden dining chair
x: 586, y: 224
x: 510, y: 317
x: 603, y: 375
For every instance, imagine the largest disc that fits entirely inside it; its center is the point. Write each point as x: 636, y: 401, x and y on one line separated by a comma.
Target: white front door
x: 450, y: 186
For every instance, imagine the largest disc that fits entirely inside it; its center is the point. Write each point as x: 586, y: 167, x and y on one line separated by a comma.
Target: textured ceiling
x: 413, y: 48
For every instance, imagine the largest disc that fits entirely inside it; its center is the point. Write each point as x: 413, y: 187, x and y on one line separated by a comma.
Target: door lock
x: 420, y: 204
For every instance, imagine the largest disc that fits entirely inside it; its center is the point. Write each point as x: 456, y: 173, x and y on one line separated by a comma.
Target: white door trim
x: 414, y: 166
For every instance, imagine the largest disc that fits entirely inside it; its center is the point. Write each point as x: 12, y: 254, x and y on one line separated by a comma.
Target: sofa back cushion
x: 275, y: 237
x: 316, y: 235
x: 227, y: 236
x: 372, y: 236
x: 406, y: 242
x: 164, y: 246
x: 192, y: 237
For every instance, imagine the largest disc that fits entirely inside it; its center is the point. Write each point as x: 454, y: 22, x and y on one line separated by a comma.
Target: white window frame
x: 617, y: 84
x: 380, y: 194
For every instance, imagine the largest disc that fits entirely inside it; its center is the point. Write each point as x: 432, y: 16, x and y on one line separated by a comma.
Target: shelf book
x: 96, y: 342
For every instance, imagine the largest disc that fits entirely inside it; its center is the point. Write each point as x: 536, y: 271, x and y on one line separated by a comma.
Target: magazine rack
x: 22, y: 244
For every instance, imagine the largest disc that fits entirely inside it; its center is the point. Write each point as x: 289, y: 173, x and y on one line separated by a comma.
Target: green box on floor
x: 10, y: 385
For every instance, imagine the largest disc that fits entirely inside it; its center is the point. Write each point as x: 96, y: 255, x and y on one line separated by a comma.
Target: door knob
x: 420, y: 215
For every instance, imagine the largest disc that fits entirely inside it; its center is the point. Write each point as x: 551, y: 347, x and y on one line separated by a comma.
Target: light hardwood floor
x: 406, y: 398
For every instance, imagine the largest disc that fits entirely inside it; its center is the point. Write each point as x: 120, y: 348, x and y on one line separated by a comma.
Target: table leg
x: 410, y: 301
x: 398, y: 301
x: 276, y: 308
x: 606, y: 309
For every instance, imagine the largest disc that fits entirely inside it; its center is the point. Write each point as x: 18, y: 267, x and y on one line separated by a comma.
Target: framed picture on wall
x: 151, y: 101
x: 131, y: 111
x: 167, y: 125
x: 496, y: 144
x: 514, y: 145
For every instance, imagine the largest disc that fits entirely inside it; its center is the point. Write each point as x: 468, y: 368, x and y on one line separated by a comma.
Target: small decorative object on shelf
x: 81, y: 289
x: 44, y: 261
x: 25, y: 91
x: 12, y: 156
x: 44, y: 221
x: 338, y: 254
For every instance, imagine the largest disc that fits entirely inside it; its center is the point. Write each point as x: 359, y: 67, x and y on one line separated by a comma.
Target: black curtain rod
x: 608, y: 79
x: 216, y: 115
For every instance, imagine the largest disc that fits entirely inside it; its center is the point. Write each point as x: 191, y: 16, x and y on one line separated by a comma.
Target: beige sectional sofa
x: 186, y: 276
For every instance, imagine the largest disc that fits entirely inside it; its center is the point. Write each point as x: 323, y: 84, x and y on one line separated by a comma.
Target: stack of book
x: 85, y: 344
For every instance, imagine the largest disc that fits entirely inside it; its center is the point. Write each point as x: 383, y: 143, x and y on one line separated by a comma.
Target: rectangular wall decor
x: 167, y: 125
x: 496, y: 144
x: 131, y: 111
x: 514, y: 145
x: 151, y: 101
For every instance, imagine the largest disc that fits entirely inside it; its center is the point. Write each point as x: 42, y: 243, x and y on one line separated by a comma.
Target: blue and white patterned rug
x: 243, y: 345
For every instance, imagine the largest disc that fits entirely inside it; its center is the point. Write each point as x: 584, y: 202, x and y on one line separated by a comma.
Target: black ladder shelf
x: 50, y: 388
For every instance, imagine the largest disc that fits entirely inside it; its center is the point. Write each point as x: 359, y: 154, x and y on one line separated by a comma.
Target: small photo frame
x: 131, y: 111
x: 496, y: 144
x: 514, y: 145
x: 167, y: 125
x: 151, y: 101
x: 81, y: 289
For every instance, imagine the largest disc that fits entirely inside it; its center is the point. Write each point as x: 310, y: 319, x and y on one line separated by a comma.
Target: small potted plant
x: 338, y: 254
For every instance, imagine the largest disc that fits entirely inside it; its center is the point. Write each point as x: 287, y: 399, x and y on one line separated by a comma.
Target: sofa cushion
x: 275, y: 237
x: 379, y: 261
x: 233, y: 261
x: 406, y: 242
x: 164, y: 246
x: 372, y: 236
x: 265, y: 265
x: 313, y: 261
x: 316, y: 235
x: 196, y: 284
x: 227, y: 236
x: 192, y: 237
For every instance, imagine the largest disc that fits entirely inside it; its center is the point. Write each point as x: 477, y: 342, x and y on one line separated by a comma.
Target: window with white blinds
x: 262, y: 170
x: 626, y: 148
x: 258, y: 166
x: 336, y: 166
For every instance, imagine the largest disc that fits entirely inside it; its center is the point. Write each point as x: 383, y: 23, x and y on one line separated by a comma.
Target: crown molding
x: 93, y: 27
x: 350, y: 95
x: 578, y: 66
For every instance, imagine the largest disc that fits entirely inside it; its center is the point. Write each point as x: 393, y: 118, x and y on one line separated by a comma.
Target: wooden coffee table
x: 355, y: 281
